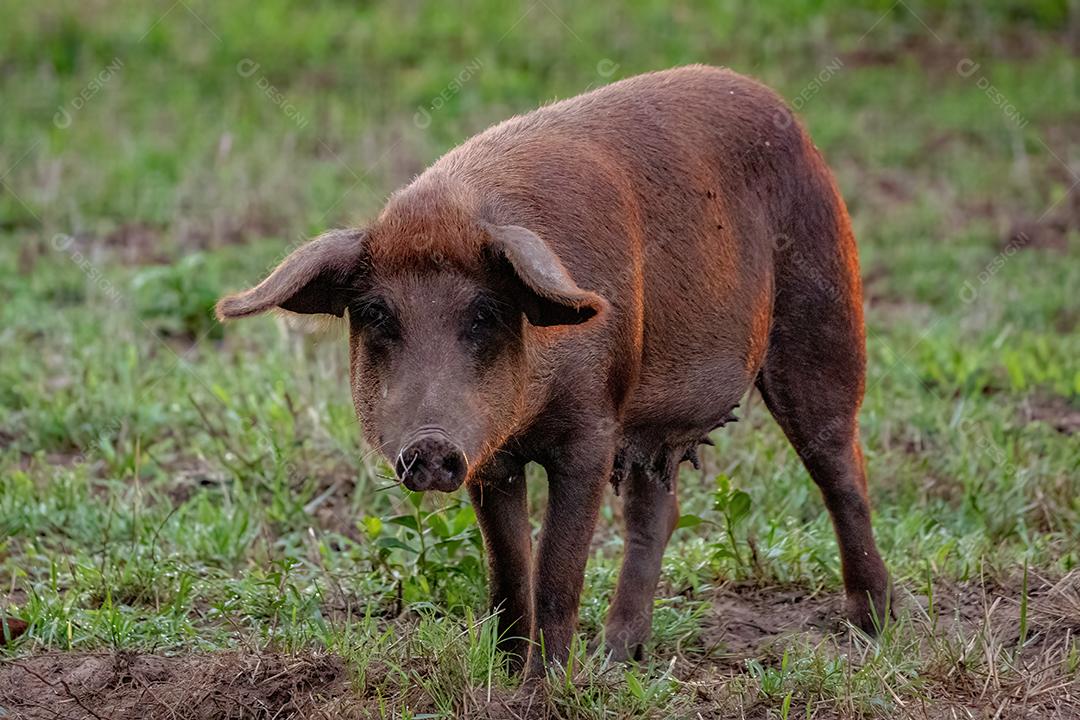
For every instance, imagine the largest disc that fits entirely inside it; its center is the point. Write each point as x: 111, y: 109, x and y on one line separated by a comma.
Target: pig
x: 593, y: 286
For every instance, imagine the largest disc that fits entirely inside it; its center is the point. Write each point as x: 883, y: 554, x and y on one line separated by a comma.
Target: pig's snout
x: 431, y: 462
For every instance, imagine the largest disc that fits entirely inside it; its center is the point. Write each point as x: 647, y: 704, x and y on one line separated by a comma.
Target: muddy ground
x: 745, y: 622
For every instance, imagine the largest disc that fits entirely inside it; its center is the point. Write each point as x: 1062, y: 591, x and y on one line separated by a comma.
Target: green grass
x: 168, y: 485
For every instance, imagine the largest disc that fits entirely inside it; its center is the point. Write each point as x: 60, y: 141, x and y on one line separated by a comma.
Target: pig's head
x: 443, y: 322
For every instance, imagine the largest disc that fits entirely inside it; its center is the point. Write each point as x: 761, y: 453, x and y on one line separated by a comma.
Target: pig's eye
x: 376, y: 318
x: 482, y: 318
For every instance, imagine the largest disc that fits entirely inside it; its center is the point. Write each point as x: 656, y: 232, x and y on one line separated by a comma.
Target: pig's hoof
x: 615, y: 651
x: 515, y: 653
x: 871, y: 611
x: 634, y: 652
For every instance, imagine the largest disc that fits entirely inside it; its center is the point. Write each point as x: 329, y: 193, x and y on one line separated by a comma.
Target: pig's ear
x: 551, y: 297
x: 315, y: 279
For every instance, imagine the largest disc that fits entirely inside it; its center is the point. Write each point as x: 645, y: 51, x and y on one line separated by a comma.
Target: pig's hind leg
x: 829, y: 448
x: 813, y: 380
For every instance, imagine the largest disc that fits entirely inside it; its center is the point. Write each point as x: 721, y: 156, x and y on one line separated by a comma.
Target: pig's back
x: 665, y: 193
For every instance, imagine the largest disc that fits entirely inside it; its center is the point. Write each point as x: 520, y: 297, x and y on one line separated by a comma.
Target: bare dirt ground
x: 745, y: 622
x: 129, y: 685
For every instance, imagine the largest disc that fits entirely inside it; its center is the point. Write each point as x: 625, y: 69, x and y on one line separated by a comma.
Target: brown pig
x: 593, y: 286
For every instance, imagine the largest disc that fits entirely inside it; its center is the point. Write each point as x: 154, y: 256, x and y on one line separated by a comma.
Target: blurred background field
x: 170, y: 486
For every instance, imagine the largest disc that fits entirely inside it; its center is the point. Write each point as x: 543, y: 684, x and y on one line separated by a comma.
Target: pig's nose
x: 431, y: 462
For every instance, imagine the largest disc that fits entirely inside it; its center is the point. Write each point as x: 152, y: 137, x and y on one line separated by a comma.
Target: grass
x: 169, y: 486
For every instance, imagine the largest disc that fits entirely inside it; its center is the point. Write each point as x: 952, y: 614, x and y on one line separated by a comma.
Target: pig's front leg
x: 575, y: 488
x: 502, y: 509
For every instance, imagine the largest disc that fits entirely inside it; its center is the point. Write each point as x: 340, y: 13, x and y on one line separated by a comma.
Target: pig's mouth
x: 430, y: 460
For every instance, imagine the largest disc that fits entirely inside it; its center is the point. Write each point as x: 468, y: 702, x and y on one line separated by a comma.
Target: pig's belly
x: 677, y: 401
x: 699, y: 357
x: 675, y: 407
